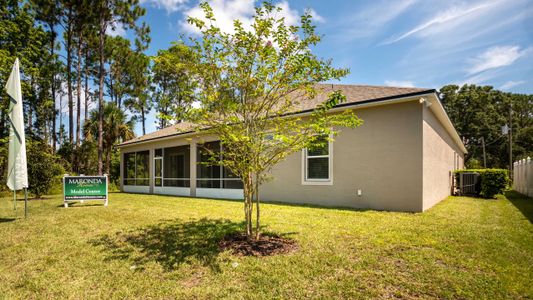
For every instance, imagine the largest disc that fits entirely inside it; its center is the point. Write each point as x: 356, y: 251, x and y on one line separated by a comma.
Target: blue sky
x: 401, y: 43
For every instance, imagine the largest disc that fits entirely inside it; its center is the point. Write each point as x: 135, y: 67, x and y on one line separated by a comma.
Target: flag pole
x: 25, y: 203
x: 15, y: 188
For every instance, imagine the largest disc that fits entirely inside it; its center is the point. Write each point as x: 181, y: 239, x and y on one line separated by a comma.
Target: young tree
x: 250, y: 81
x: 174, y: 84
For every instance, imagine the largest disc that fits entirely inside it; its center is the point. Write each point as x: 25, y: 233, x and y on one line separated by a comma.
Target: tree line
x: 72, y: 61
x: 479, y: 113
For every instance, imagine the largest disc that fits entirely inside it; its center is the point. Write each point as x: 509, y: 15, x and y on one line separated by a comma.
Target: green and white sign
x: 80, y: 188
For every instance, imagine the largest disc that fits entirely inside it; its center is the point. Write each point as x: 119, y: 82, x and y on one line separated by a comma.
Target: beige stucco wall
x: 382, y: 158
x: 400, y: 159
x: 441, y: 155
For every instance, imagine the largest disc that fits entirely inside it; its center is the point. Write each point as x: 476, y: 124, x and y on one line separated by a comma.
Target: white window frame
x: 328, y: 181
x: 160, y: 158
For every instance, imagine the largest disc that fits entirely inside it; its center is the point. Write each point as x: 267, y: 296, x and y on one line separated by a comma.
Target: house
x: 400, y: 159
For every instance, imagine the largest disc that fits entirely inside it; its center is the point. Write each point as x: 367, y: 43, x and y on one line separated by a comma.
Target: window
x: 317, y: 162
x: 210, y: 173
x: 176, y: 166
x: 129, y: 168
x: 136, y: 168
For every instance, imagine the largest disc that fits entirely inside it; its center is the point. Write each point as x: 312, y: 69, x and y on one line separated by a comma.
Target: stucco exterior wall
x: 382, y: 158
x: 441, y: 155
x: 400, y: 159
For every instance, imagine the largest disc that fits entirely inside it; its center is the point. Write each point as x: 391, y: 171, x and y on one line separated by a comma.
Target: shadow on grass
x: 5, y: 220
x: 170, y: 243
x: 522, y: 202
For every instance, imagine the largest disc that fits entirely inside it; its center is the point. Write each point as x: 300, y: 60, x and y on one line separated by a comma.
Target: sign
x: 80, y: 188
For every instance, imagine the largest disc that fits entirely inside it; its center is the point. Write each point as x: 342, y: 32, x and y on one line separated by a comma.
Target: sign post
x: 81, y: 188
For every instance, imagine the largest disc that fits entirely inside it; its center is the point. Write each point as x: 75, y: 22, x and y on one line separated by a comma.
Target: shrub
x: 44, y: 169
x: 492, y: 181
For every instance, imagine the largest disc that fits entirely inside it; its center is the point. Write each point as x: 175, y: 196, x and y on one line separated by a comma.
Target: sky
x: 421, y: 43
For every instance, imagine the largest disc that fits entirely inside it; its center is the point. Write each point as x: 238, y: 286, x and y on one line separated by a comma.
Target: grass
x: 144, y: 246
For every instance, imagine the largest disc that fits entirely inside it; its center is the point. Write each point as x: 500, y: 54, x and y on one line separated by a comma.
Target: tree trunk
x: 101, y: 95
x: 143, y: 120
x: 54, y: 111
x: 60, y: 117
x: 86, y: 104
x: 164, y: 108
x: 30, y: 114
x: 78, y: 106
x: 257, y: 223
x: 108, y: 161
x: 111, y: 90
x: 248, y: 204
x: 69, y: 79
x: 46, y: 132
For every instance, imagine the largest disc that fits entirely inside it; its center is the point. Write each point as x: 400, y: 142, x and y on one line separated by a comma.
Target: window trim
x: 159, y: 158
x: 329, y: 181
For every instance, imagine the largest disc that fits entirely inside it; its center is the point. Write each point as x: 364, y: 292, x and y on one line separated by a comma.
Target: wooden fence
x: 523, y: 176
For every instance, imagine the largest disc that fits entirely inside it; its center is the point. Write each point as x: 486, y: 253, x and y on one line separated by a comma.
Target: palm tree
x: 116, y: 127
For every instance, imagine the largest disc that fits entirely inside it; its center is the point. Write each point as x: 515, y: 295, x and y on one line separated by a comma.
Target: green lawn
x: 166, y: 247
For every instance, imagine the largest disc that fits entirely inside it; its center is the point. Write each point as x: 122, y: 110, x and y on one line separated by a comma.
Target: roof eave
x: 440, y: 112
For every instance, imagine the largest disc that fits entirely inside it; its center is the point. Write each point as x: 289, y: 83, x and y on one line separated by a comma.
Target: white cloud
x: 399, y: 83
x: 479, y: 78
x: 452, y: 14
x: 291, y: 15
x: 116, y: 30
x: 496, y: 57
x: 510, y: 84
x: 169, y: 5
x: 447, y: 47
x: 227, y: 11
x: 316, y: 17
x: 368, y: 21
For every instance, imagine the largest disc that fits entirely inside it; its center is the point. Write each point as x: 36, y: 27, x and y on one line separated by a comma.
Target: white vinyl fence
x: 523, y: 176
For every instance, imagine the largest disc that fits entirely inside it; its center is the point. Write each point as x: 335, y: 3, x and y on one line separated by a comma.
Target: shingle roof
x: 355, y: 94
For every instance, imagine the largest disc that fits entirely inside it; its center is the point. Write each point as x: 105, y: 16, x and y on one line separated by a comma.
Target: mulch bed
x: 266, y: 245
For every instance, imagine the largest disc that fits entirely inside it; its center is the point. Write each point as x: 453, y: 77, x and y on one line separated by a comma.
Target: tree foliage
x: 248, y: 81
x: 44, y: 168
x: 116, y: 128
x: 479, y: 112
x: 173, y: 83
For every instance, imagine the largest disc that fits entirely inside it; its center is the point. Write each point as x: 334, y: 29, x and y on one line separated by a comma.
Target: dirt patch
x: 265, y: 245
